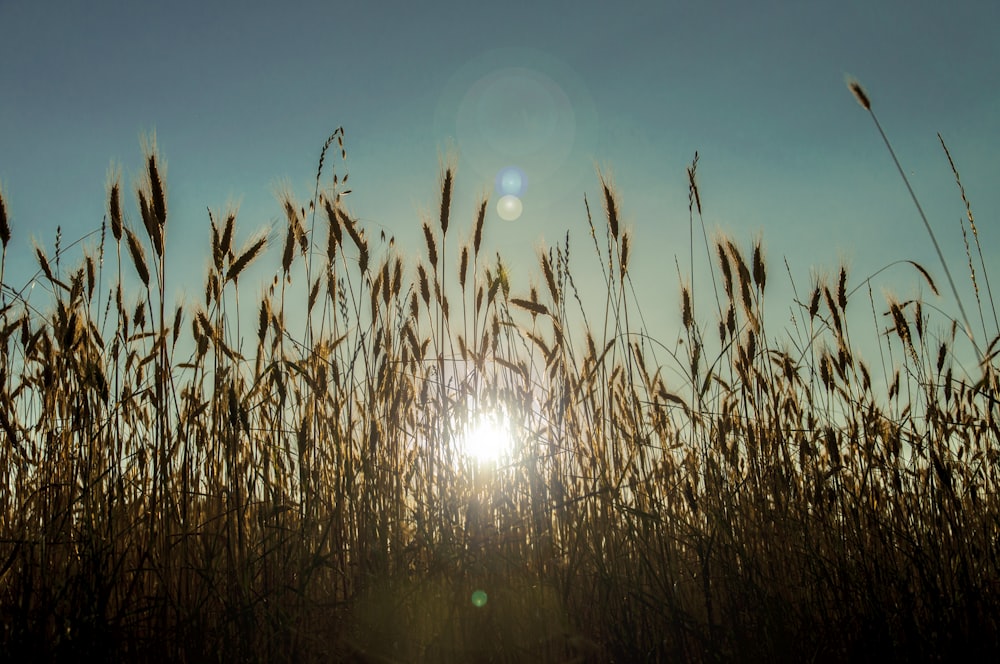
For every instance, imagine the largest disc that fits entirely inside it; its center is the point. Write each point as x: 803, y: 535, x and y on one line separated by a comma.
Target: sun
x: 487, y: 438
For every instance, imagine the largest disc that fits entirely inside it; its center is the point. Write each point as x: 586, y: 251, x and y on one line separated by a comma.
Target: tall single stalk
x: 865, y: 101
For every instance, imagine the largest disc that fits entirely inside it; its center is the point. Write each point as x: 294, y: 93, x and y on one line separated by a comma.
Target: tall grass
x: 177, y: 489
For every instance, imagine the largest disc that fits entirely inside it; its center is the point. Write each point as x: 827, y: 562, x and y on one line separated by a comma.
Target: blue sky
x: 241, y: 96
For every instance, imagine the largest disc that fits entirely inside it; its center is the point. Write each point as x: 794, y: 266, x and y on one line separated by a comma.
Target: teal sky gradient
x: 242, y: 95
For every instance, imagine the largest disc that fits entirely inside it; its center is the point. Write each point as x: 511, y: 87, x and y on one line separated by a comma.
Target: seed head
x: 4, y: 224
x: 859, y: 93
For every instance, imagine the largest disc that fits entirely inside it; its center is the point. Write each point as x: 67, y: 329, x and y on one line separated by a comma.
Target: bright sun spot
x: 487, y: 438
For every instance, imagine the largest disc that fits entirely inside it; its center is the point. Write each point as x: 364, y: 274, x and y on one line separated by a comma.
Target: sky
x: 242, y: 95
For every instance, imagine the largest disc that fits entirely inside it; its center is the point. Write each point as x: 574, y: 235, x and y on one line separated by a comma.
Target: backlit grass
x: 284, y: 478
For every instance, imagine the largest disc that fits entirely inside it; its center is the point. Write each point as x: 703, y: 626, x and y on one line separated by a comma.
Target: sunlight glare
x: 487, y: 438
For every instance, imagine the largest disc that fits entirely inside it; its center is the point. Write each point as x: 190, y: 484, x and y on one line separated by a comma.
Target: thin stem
x: 930, y: 231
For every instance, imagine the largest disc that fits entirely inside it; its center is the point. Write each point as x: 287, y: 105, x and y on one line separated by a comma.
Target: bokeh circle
x: 509, y: 207
x: 512, y: 181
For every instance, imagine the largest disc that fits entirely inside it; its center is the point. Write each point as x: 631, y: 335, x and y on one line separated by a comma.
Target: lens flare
x: 509, y: 207
x: 479, y: 599
x: 511, y: 181
x: 521, y: 106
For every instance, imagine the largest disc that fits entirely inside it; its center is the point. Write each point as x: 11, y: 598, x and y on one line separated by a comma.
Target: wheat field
x: 282, y: 479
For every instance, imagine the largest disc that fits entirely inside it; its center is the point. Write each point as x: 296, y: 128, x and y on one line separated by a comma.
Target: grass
x: 284, y: 482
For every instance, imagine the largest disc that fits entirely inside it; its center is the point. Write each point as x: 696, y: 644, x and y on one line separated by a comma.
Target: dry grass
x: 302, y: 498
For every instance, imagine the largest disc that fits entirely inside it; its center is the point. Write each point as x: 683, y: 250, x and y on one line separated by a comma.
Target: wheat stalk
x: 863, y: 99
